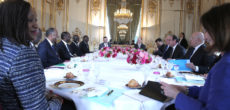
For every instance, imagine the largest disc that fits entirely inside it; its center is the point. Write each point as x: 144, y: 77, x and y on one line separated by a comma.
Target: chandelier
x: 123, y: 15
x: 122, y: 36
x: 122, y: 27
x: 122, y: 32
x: 1, y: 1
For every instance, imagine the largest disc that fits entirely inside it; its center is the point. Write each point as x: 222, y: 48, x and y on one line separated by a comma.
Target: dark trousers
x: 68, y: 105
x: 171, y: 107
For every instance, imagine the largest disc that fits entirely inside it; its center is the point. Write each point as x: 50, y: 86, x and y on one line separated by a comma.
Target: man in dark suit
x: 139, y: 44
x: 200, y: 59
x: 161, y: 47
x: 84, y: 46
x: 63, y: 47
x: 105, y: 43
x: 47, y: 49
x: 183, y: 42
x: 175, y: 50
x: 75, y: 49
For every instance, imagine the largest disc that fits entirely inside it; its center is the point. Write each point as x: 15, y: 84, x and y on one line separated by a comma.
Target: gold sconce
x: 190, y: 6
x: 77, y: 32
x: 152, y: 5
x: 1, y: 1
x: 60, y: 5
x: 77, y: 1
x: 95, y: 6
x: 171, y: 2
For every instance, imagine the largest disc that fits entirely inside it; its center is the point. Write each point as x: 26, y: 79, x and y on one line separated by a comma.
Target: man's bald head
x: 196, y: 39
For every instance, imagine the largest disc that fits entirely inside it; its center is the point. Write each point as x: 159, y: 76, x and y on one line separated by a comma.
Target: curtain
x: 136, y: 9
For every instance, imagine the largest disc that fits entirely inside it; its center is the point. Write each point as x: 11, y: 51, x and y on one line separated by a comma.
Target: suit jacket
x: 84, y: 47
x: 75, y: 49
x: 48, y: 55
x: 142, y: 47
x: 161, y: 50
x: 184, y: 43
x: 200, y: 58
x: 102, y: 45
x: 63, y: 52
x: 177, y: 54
x: 214, y: 95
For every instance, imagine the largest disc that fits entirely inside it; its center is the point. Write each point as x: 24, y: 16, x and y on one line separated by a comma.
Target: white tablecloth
x: 115, y: 74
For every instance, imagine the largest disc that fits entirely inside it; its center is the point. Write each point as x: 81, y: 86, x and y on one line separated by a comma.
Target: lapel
x: 175, y: 51
x: 52, y: 48
x: 198, y: 52
x: 189, y: 53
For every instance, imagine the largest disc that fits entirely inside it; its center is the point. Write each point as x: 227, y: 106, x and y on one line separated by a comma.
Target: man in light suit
x: 200, y: 59
x: 75, y: 46
x: 63, y: 47
x: 47, y: 49
x: 105, y: 43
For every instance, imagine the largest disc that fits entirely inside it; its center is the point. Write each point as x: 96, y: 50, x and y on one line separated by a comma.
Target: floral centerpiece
x: 116, y: 49
x: 138, y: 57
x: 126, y: 50
x: 107, y: 52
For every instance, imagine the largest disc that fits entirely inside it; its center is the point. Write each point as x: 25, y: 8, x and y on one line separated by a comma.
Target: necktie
x: 67, y: 47
x: 55, y: 50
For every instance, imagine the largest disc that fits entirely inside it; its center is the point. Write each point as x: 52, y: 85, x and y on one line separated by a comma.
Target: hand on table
x: 172, y: 90
x: 191, y: 66
x: 50, y: 95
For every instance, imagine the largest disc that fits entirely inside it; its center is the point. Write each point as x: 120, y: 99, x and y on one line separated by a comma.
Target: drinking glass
x: 176, y: 68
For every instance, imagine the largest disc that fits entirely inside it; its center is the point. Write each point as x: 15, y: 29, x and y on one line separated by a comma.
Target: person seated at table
x: 22, y: 79
x: 36, y: 40
x: 84, y: 46
x: 214, y: 95
x: 161, y: 47
x: 75, y: 46
x: 63, y: 47
x: 176, y: 51
x: 139, y: 44
x: 182, y: 41
x: 47, y: 49
x: 200, y: 59
x: 105, y: 43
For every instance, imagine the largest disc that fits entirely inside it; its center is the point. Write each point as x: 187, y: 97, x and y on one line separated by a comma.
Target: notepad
x: 193, y: 82
x: 107, y: 100
x: 181, y: 63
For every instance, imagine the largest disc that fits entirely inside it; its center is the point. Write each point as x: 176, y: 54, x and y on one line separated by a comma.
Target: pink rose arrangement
x: 116, y: 49
x: 107, y: 52
x: 127, y: 50
x: 138, y: 57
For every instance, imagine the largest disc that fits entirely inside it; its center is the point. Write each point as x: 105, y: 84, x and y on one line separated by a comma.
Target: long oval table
x: 114, y: 75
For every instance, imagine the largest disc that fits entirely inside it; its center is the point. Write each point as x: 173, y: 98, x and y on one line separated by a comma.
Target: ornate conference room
x: 114, y: 54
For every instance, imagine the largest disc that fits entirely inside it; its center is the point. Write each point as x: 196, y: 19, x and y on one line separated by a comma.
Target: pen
x: 110, y: 92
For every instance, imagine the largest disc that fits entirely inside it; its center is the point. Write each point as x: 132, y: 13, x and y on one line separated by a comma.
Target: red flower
x: 114, y: 55
x: 108, y: 55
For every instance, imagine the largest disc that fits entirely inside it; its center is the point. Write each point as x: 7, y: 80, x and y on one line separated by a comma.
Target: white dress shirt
x: 51, y: 44
x: 66, y: 45
x: 174, y: 47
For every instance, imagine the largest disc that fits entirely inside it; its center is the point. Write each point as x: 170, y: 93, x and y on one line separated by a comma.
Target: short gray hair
x: 49, y: 31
